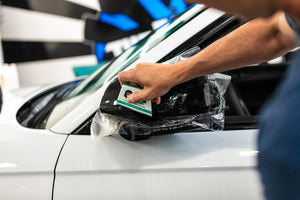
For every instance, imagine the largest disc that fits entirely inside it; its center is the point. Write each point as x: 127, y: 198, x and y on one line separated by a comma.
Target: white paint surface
x: 199, y: 165
x: 50, y: 71
x: 25, y: 25
x: 27, y: 156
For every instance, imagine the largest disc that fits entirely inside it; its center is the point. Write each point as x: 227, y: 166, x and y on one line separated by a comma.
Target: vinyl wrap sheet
x: 197, y: 104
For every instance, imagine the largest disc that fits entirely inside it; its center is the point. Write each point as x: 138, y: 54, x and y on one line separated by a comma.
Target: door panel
x: 215, y: 165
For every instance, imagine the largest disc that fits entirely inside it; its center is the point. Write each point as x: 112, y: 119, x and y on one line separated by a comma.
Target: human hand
x: 156, y: 80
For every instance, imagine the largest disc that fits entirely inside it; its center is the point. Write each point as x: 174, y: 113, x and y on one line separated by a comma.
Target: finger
x: 126, y: 76
x: 156, y: 100
x: 120, y: 80
x: 136, y: 97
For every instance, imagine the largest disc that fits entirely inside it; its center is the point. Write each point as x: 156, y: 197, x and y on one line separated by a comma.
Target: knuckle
x: 120, y: 75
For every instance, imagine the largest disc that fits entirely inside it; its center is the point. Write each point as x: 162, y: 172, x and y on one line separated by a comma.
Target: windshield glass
x: 111, y: 69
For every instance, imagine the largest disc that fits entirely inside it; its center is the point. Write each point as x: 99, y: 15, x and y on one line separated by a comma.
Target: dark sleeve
x: 293, y: 25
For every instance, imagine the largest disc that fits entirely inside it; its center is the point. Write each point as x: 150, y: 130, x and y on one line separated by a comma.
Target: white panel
x: 222, y: 184
x: 180, y: 151
x: 25, y: 149
x: 33, y: 186
x: 93, y: 4
x: 24, y: 25
x: 27, y: 156
x: 49, y: 71
x: 203, y: 165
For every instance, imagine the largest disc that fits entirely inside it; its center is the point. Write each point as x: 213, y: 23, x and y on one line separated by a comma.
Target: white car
x: 47, y: 152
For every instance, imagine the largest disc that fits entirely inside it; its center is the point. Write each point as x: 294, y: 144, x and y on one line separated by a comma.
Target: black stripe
x: 120, y: 6
x: 101, y: 32
x: 57, y: 7
x: 108, y: 56
x: 15, y: 52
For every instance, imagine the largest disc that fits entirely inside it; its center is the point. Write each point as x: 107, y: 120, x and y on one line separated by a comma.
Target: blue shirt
x: 279, y: 137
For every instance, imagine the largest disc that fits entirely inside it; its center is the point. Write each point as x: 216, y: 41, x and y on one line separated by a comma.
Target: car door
x: 205, y: 165
x: 27, y: 156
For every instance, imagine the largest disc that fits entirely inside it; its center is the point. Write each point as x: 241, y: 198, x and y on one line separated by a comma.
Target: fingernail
x: 129, y: 99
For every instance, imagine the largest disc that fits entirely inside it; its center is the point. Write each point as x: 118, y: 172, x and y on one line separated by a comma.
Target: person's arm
x: 255, y: 42
x: 255, y: 8
x: 247, y: 8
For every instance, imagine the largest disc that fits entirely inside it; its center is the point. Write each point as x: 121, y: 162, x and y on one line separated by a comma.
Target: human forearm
x: 255, y: 42
x: 247, y: 8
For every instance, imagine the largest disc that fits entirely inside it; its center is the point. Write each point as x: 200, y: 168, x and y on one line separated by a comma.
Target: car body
x: 46, y: 151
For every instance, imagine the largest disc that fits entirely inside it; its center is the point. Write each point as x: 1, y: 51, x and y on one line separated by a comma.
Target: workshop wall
x: 56, y: 35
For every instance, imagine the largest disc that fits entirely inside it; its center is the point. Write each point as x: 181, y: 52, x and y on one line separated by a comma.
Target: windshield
x: 111, y: 69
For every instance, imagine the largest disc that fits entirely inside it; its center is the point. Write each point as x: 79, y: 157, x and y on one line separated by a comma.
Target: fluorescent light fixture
x: 7, y: 165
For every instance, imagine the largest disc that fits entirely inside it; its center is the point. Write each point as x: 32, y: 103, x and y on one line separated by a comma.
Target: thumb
x: 126, y: 76
x: 136, y: 97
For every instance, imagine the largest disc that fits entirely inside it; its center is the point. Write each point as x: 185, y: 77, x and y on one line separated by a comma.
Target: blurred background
x: 46, y: 41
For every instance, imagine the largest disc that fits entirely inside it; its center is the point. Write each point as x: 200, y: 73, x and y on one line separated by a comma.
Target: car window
x: 75, y: 95
x: 111, y: 69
